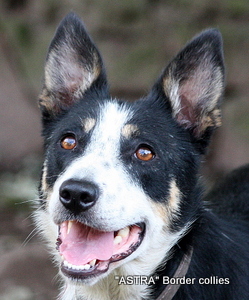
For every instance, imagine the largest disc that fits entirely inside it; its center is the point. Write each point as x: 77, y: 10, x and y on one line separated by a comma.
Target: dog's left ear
x: 73, y: 67
x: 193, y: 84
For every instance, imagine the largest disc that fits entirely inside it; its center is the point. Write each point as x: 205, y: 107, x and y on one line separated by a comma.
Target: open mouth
x: 88, y: 252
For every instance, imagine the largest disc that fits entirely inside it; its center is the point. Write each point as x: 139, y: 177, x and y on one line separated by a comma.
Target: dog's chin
x: 88, y: 254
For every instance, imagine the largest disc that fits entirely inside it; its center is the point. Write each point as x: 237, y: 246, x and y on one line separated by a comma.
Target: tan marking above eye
x: 68, y: 142
x: 144, y: 153
x: 129, y: 130
x: 88, y: 124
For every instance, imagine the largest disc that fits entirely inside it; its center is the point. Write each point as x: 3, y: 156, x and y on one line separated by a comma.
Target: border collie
x: 121, y: 205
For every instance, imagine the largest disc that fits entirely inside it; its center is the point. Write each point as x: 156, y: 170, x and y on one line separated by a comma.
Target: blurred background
x: 136, y: 38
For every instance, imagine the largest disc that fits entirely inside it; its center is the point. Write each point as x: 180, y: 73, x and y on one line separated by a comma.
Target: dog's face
x: 118, y: 178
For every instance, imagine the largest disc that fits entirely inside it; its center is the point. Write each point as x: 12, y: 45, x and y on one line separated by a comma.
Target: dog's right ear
x: 73, y: 68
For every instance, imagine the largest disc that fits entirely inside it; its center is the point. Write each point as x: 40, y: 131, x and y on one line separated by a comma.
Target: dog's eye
x: 144, y: 153
x: 68, y: 142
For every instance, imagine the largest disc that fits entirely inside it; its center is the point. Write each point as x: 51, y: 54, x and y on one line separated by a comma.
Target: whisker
x: 24, y: 202
x: 31, y: 235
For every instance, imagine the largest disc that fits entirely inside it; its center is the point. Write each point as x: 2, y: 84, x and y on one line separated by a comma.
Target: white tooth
x: 69, y: 226
x: 87, y: 267
x: 74, y: 267
x: 118, y: 239
x: 124, y: 232
x: 65, y: 263
x: 92, y: 262
x: 68, y: 265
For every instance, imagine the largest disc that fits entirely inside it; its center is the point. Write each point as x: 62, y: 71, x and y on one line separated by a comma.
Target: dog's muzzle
x: 87, y: 251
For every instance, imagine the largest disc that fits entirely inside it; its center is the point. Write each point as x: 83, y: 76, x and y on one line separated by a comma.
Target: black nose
x: 78, y: 196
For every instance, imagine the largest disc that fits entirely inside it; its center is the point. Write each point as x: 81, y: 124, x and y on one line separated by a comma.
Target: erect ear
x: 193, y: 84
x: 73, y: 66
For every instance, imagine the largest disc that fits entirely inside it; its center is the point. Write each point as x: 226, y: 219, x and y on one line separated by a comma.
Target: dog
x: 121, y: 204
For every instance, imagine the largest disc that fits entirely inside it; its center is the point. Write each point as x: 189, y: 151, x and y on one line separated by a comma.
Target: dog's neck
x: 170, y: 290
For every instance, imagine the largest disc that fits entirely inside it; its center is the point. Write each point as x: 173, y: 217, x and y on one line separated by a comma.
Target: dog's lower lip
x: 100, y: 267
x: 83, y: 274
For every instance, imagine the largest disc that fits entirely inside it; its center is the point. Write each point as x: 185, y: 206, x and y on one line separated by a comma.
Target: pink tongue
x: 84, y: 244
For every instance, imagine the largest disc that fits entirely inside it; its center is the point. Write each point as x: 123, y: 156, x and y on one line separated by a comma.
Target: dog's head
x: 119, y: 178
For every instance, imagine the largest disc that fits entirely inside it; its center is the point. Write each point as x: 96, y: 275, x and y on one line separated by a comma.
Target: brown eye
x: 144, y: 153
x: 68, y: 142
